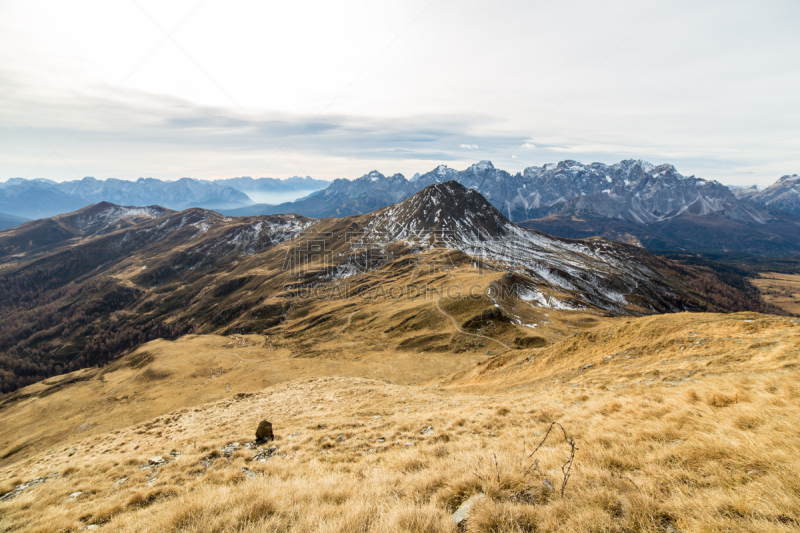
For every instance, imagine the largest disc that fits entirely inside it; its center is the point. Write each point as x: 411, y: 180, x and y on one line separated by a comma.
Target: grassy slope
x: 690, y: 426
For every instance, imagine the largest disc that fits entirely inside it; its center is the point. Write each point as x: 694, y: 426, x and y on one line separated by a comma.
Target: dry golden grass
x: 710, y: 443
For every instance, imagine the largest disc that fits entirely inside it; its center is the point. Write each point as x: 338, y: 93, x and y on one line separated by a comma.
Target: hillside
x: 681, y: 422
x: 9, y: 221
x: 126, y: 278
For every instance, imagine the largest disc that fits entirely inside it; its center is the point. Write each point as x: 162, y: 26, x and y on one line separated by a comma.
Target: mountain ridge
x: 633, y: 200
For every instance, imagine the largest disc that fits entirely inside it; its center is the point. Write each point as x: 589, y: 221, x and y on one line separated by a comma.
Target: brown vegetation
x: 690, y: 425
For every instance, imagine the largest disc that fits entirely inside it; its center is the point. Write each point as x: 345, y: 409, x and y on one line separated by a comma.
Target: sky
x: 214, y: 89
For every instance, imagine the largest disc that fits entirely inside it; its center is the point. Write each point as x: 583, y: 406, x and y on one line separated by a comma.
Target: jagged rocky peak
x: 783, y: 195
x: 482, y: 166
x: 443, y: 208
x: 373, y: 176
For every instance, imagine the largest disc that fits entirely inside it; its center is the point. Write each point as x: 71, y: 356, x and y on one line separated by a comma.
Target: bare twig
x: 567, y: 466
x: 620, y: 476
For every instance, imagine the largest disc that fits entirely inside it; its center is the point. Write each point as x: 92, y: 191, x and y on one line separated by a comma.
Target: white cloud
x: 528, y: 146
x: 468, y: 146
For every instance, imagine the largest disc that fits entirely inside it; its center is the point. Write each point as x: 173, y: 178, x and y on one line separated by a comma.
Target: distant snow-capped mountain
x: 632, y: 201
x: 634, y: 191
x: 783, y: 195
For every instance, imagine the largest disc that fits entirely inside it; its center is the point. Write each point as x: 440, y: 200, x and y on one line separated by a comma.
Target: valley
x: 780, y: 289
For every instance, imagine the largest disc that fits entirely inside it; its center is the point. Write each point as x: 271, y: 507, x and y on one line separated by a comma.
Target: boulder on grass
x: 264, y: 431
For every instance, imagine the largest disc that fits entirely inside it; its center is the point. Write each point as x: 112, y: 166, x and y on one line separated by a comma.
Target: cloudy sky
x: 213, y: 88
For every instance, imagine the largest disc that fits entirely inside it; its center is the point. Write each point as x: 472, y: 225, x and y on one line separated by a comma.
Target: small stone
x: 409, y: 443
x: 380, y: 440
x: 462, y: 513
x: 120, y: 481
x: 427, y: 431
x: 157, y: 460
x: 549, y: 485
x: 590, y: 365
x: 72, y: 452
x: 340, y: 438
x: 92, y: 527
x: 264, y: 431
x: 74, y: 495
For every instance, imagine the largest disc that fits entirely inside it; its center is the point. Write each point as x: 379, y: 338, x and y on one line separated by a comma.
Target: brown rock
x: 264, y: 431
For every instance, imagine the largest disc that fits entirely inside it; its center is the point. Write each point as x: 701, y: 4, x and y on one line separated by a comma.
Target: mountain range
x: 42, y: 198
x: 631, y: 201
x: 79, y: 289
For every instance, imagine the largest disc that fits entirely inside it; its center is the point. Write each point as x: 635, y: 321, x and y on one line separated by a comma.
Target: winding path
x: 458, y: 328
x: 349, y: 321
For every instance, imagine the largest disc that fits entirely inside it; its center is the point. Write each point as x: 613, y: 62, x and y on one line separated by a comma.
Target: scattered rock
x: 264, y: 431
x: 340, y: 438
x: 92, y: 527
x: 379, y: 440
x: 249, y: 473
x: 19, y: 489
x: 262, y: 456
x: 228, y: 450
x: 549, y: 485
x: 157, y: 460
x: 462, y: 513
x: 427, y: 431
x: 586, y: 367
x: 73, y: 451
x: 72, y: 497
x: 120, y: 481
x: 326, y: 438
x: 409, y: 443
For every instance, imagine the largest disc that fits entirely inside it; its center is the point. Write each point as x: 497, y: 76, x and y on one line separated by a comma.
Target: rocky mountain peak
x: 446, y: 209
x: 482, y: 166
